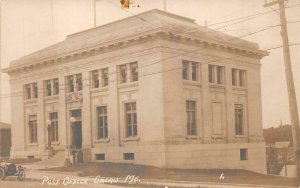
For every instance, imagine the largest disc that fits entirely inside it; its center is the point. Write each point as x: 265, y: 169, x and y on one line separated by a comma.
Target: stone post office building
x: 153, y: 89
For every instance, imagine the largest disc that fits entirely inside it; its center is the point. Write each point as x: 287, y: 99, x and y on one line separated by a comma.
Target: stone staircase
x: 57, y: 159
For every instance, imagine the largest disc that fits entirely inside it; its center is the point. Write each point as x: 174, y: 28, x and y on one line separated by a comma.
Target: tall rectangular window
x: 216, y: 74
x: 194, y: 71
x: 95, y: 79
x: 32, y: 123
x: 191, y: 117
x: 104, y: 77
x: 243, y: 154
x: 54, y: 126
x: 123, y: 73
x: 48, y: 87
x: 102, y: 122
x: 70, y: 83
x: 190, y: 70
x: 134, y: 74
x: 242, y: 78
x: 131, y: 119
x: 28, y: 91
x: 78, y: 82
x: 74, y: 82
x: 185, y: 70
x: 238, y: 77
x: 220, y: 75
x: 51, y: 87
x: 31, y: 91
x: 211, y: 75
x: 55, y: 86
x: 239, y: 119
x: 35, y: 90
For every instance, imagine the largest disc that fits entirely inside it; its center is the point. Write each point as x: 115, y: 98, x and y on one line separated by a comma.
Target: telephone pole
x: 289, y: 80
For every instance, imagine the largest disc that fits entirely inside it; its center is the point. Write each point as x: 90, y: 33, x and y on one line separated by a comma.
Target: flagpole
x: 94, y: 13
x: 165, y: 5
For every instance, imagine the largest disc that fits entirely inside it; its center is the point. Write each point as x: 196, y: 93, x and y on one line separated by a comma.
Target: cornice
x: 124, y: 41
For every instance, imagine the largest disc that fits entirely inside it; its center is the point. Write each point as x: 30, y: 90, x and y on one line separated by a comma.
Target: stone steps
x: 56, y: 159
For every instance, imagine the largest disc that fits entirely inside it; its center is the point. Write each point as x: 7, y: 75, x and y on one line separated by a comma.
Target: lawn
x: 194, y: 175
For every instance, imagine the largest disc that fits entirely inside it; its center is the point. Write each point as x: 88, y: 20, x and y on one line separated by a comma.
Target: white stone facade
x: 179, y: 64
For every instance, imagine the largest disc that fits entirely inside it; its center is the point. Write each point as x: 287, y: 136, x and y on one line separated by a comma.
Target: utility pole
x: 290, y: 82
x: 0, y: 56
x: 94, y: 1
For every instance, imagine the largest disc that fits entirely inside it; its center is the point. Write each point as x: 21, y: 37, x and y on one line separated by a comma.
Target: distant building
x: 5, y: 139
x: 153, y: 89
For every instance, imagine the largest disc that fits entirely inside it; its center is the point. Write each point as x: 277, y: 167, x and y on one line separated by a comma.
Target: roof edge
x: 135, y: 16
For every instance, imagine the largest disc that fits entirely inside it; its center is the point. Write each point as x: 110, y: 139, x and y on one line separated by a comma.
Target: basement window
x: 243, y: 154
x: 100, y: 156
x: 128, y: 156
x: 30, y: 157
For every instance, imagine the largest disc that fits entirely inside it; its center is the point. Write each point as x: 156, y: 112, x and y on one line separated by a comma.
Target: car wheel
x: 21, y: 175
x: 2, y: 174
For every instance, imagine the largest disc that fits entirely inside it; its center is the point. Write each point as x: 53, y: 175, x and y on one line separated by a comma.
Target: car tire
x: 2, y: 174
x: 21, y: 175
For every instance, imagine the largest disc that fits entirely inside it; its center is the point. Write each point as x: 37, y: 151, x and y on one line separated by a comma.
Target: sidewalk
x: 35, y: 171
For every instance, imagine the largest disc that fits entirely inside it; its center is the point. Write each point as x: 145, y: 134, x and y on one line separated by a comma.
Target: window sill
x: 55, y: 143
x: 240, y: 136
x: 30, y: 100
x: 128, y: 84
x: 94, y: 90
x: 192, y: 137
x: 218, y: 136
x: 190, y: 82
x: 51, y: 97
x: 33, y: 144
x: 129, y: 139
x: 239, y: 88
x: 214, y: 85
x: 70, y: 93
x: 104, y: 140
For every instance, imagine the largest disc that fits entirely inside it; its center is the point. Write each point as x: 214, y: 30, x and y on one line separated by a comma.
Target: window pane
x: 234, y: 77
x: 220, y: 75
x: 134, y: 130
x: 242, y: 78
x: 95, y: 79
x: 28, y: 91
x: 55, y: 87
x: 185, y: 70
x: 134, y: 71
x: 102, y: 122
x: 48, y: 87
x: 191, y: 117
x: 123, y: 73
x: 211, y: 73
x: 104, y: 74
x: 194, y: 71
x: 35, y: 90
x: 70, y: 81
x: 78, y: 82
x: 238, y: 119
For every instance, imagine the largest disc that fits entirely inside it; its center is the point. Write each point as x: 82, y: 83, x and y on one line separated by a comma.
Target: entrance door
x: 77, y: 134
x: 76, y: 128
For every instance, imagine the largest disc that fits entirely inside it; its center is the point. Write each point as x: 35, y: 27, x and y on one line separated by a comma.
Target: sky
x: 27, y: 26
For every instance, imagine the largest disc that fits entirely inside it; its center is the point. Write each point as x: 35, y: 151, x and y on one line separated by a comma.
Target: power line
x: 294, y: 44
x: 197, y: 50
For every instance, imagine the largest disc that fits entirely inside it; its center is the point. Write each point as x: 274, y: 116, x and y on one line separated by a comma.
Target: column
x: 86, y: 117
x: 63, y: 122
x: 206, y: 105
x: 41, y: 120
x: 114, y: 129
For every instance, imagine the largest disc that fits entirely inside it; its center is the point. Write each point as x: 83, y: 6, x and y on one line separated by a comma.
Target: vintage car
x: 9, y: 169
